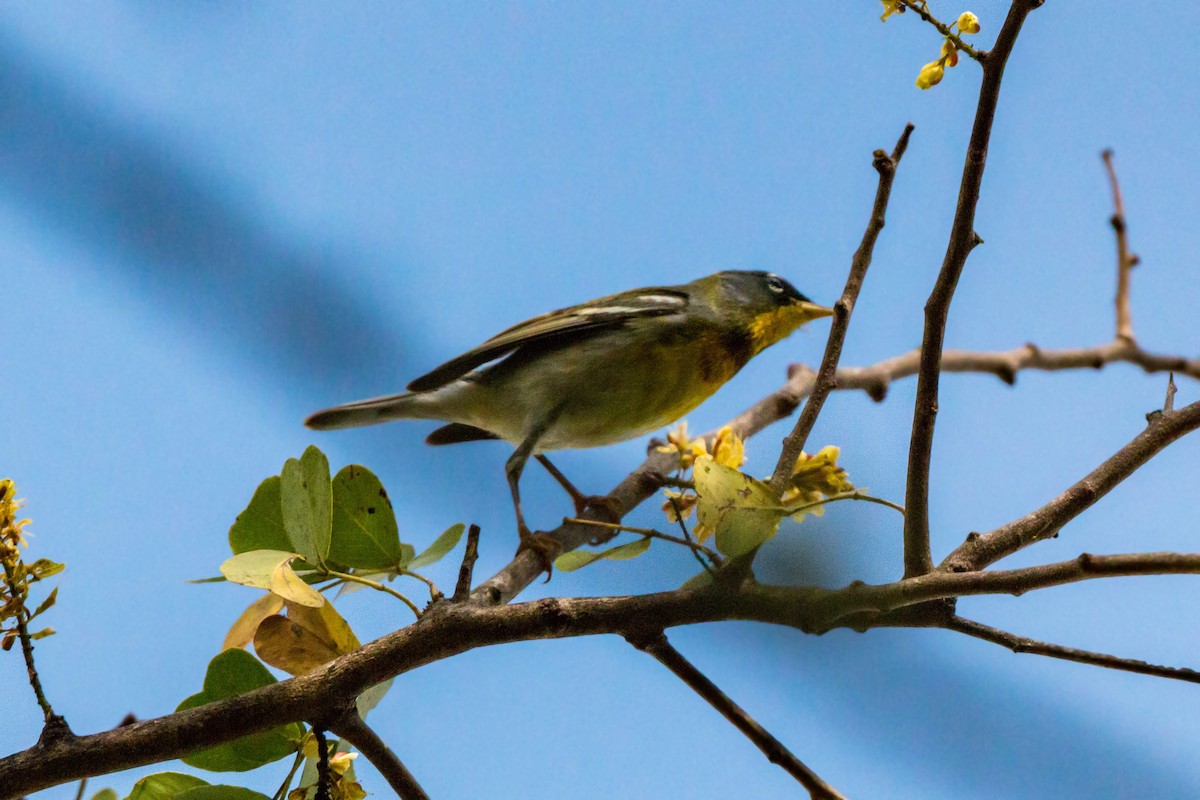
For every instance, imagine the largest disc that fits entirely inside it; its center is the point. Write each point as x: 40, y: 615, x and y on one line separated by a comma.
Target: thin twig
x: 1126, y: 260
x: 714, y: 559
x: 854, y: 494
x: 1022, y: 644
x: 354, y: 729
x: 53, y: 724
x: 1169, y: 402
x: 793, y: 444
x: 857, y: 598
x: 982, y: 549
x: 963, y: 239
x: 434, y: 592
x: 282, y: 791
x: 376, y: 585
x: 82, y: 788
x: 656, y: 645
x: 943, y: 29
x: 462, y: 589
x: 324, y: 778
x: 653, y: 534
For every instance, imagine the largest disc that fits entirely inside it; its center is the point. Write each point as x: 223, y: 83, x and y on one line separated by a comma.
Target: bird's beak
x: 812, y: 310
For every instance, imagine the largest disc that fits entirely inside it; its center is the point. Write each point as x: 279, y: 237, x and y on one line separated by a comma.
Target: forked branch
x: 963, y: 239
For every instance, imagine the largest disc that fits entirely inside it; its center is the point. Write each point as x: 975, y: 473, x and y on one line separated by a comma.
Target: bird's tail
x: 414, y: 405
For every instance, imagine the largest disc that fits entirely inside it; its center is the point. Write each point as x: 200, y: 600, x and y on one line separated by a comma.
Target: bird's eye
x: 775, y: 285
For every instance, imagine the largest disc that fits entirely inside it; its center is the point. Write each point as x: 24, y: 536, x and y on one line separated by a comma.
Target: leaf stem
x: 613, y: 526
x: 854, y: 495
x: 434, y: 592
x: 379, y: 587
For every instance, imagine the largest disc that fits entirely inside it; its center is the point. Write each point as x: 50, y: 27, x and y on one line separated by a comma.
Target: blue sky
x: 218, y: 217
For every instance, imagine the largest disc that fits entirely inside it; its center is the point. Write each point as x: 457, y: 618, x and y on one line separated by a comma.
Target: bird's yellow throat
x: 769, y: 327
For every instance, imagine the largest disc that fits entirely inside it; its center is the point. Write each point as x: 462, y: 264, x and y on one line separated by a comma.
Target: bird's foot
x: 605, y: 507
x: 546, y: 548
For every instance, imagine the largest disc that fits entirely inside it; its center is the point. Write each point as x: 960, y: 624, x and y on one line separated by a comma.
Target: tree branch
x: 963, y: 239
x: 1021, y: 644
x: 462, y: 589
x: 354, y: 729
x: 793, y: 444
x: 656, y: 645
x: 447, y: 629
x: 980, y: 550
x: 1126, y: 260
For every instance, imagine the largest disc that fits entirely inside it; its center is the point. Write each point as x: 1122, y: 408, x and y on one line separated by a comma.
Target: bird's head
x: 765, y: 305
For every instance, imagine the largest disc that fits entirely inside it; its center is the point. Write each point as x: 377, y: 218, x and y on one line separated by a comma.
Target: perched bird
x: 594, y: 374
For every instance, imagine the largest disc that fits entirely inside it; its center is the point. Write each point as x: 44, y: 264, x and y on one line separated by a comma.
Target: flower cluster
x: 15, y: 575
x: 816, y: 477
x: 728, y: 449
x: 931, y: 74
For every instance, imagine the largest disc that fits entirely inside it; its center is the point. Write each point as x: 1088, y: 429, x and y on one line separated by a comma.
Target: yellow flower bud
x: 930, y: 75
x: 950, y: 53
x: 967, y: 23
x: 891, y: 7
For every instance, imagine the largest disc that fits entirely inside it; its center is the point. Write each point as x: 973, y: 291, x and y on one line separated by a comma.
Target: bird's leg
x: 545, y: 547
x: 608, y: 508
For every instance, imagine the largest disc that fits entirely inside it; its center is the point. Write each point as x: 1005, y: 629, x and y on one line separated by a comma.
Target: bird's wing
x: 607, y: 312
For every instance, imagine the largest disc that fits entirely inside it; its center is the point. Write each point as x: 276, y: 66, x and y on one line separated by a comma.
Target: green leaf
x: 306, y: 499
x: 164, y: 786
x: 45, y: 604
x: 43, y: 568
x: 576, y: 559
x: 221, y: 793
x: 105, y: 794
x: 364, y: 526
x: 229, y: 674
x: 441, y: 545
x: 742, y: 511
x: 271, y: 570
x: 260, y: 526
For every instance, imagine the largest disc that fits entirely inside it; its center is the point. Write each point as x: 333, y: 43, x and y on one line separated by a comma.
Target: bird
x: 593, y: 374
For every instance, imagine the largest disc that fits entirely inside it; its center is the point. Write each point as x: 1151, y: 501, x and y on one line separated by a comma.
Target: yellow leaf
x: 741, y: 511
x: 327, y: 623
x: 241, y: 633
x: 289, y: 646
x: 305, y: 640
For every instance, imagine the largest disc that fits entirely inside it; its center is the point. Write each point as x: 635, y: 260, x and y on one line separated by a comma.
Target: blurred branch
x: 979, y: 550
x: 1021, y: 644
x: 963, y: 239
x: 793, y: 443
x: 656, y: 645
